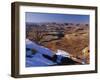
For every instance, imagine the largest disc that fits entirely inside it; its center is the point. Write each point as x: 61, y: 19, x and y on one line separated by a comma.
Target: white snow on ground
x: 62, y: 53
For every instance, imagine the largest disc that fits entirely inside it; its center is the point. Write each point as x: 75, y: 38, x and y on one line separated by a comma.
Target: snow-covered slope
x: 37, y: 59
x: 37, y: 55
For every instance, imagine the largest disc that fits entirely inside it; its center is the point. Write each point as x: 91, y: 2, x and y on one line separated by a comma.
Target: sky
x: 59, y: 18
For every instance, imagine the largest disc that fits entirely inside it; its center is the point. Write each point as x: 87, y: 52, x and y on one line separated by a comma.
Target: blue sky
x: 59, y: 18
